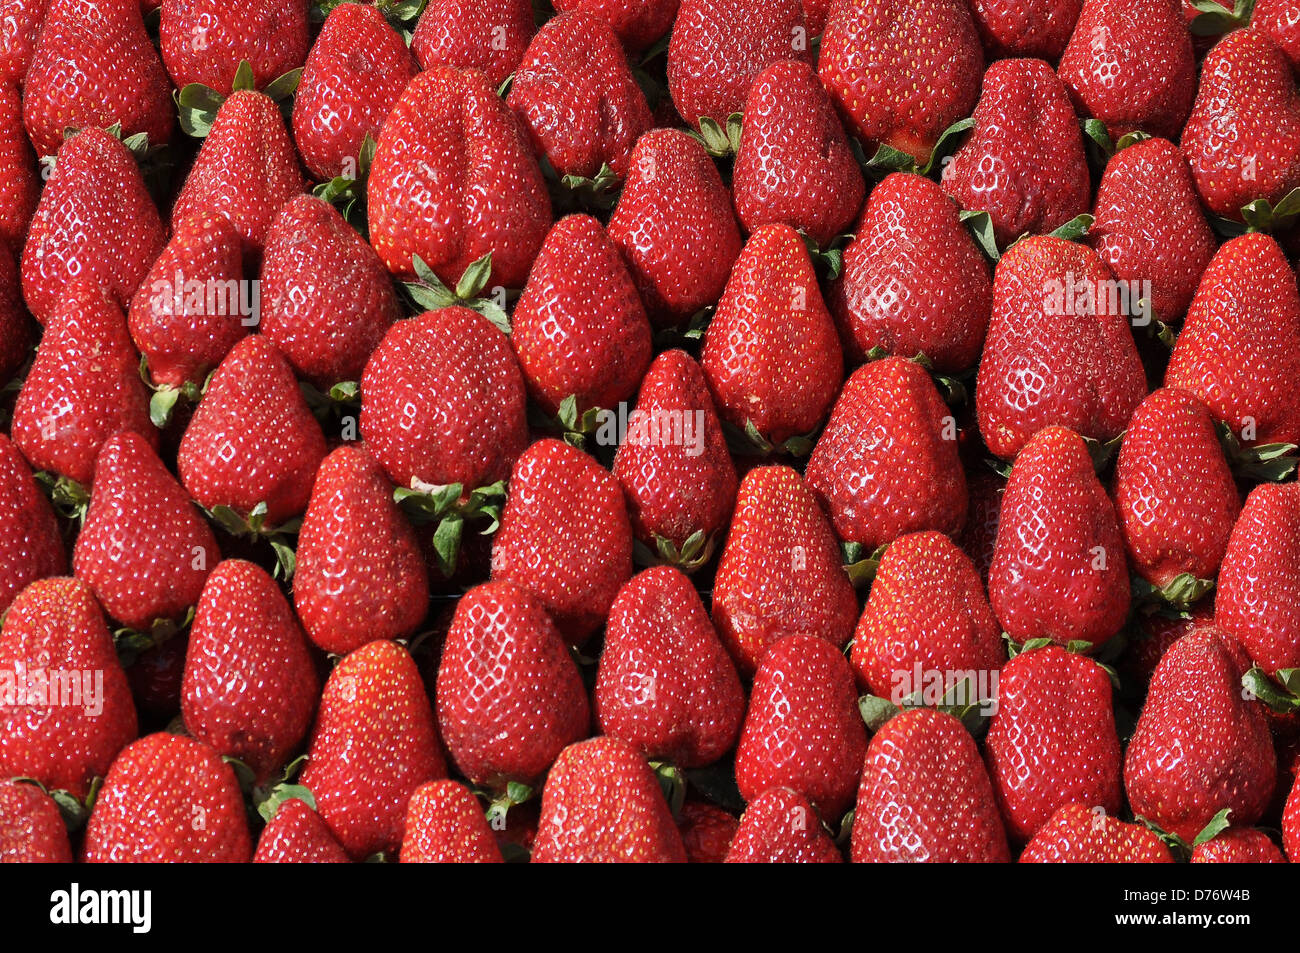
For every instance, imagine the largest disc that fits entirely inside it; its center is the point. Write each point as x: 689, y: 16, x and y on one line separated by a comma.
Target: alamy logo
x: 661, y: 427
x: 213, y: 296
x: 1077, y: 295
x: 37, y: 686
x: 99, y: 907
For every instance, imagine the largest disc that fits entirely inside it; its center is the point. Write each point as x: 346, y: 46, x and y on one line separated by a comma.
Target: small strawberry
x: 445, y: 825
x: 487, y: 35
x: 638, y: 23
x: 1244, y: 845
x: 1079, y: 834
x: 1291, y: 825
x: 31, y: 827
x: 30, y: 545
x: 1025, y: 27
x: 20, y: 25
x: 780, y: 826
x: 296, y: 834
x: 706, y: 831
x: 18, y: 165
x: 204, y: 41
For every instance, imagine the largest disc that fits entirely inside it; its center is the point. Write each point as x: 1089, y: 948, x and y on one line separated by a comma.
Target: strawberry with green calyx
x: 486, y: 35
x: 780, y: 826
x: 296, y: 834
x: 198, y: 105
x: 30, y: 545
x: 1038, y: 28
x: 445, y: 825
x: 209, y: 44
x: 31, y: 827
x: 1078, y: 833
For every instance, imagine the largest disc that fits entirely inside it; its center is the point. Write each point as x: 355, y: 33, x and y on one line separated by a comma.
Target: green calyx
x: 695, y: 551
x: 131, y: 643
x: 1261, y: 463
x: 430, y: 293
x: 720, y: 140
x: 1179, y: 594
x: 451, y: 508
x: 347, y: 193
x: 1212, y: 19
x: 254, y: 526
x: 861, y: 565
x: 888, y: 160
x: 68, y: 497
x: 197, y: 105
x: 1281, y: 693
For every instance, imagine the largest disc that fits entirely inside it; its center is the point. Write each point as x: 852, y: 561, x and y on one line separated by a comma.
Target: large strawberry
x: 445, y: 825
x: 31, y: 828
x: 296, y: 834
x: 18, y: 165
x: 1246, y: 845
x: 638, y: 23
x: 487, y: 35
x: 1025, y: 27
x: 1087, y: 834
x: 780, y: 826
x: 30, y: 545
x: 20, y: 25
x: 204, y: 41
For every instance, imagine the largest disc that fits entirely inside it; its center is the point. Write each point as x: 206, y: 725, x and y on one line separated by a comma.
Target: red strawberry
x: 1059, y: 348
x: 355, y: 72
x: 1058, y: 567
x: 981, y: 533
x: 15, y: 323
x: 564, y: 536
x: 30, y: 545
x: 803, y: 729
x: 69, y: 710
x: 1023, y: 163
x: 1153, y: 634
x: 487, y: 35
x: 298, y: 835
x: 1174, y: 493
x: 913, y: 281
x: 454, y: 360
x: 887, y: 462
x: 665, y: 683
x: 1239, y: 846
x: 427, y: 201
x: 18, y: 165
x: 252, y: 438
x: 20, y: 25
x: 1291, y: 825
x: 771, y: 353
x: 794, y: 165
x: 1025, y: 27
x: 706, y: 831
x: 204, y: 41
x: 83, y: 387
x: 780, y: 826
x: 1280, y: 20
x: 781, y: 572
x: 95, y: 221
x: 901, y: 71
x: 168, y: 799
x: 94, y: 66
x: 674, y: 226
x: 373, y: 745
x: 1238, y: 348
x: 327, y: 299
x: 1201, y: 744
x: 602, y: 804
x: 638, y: 23
x: 925, y: 796
x: 445, y: 825
x: 1079, y: 834
x: 31, y: 827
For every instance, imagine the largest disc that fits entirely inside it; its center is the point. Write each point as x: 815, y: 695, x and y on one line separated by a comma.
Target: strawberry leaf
x: 946, y: 144
x: 875, y: 711
x: 1213, y: 828
x: 282, y: 87
x: 268, y: 806
x: 980, y: 226
x: 1256, y: 684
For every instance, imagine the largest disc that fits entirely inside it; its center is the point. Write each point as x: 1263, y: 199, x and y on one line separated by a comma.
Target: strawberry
x: 802, y: 729
x: 94, y: 66
x: 926, y: 612
x: 1131, y: 65
x: 638, y: 23
x: 1059, y: 348
x: 143, y: 549
x: 771, y: 353
x: 1201, y: 744
x: 1153, y: 634
x: 794, y: 164
x: 156, y: 677
x: 298, y: 835
x: 204, y: 41
x: 1058, y: 566
x: 1291, y: 825
x: 327, y: 299
x: 1237, y: 350
x: 20, y: 25
x: 780, y: 573
x: 95, y: 220
x: 1280, y: 21
x: 980, y: 536
x: 83, y: 387
x: 30, y: 545
x: 373, y: 745
x: 250, y: 688
x: 1079, y: 834
x: 780, y: 826
x: 706, y: 831
x: 31, y: 827
x: 15, y: 323
x: 901, y: 71
x: 914, y: 281
x: 1174, y: 493
x: 1242, y: 139
x: 69, y: 710
x: 455, y: 360
x: 1238, y: 846
x: 168, y: 799
x: 445, y: 825
x: 579, y: 327
x: 487, y: 35
x: 602, y: 804
x: 354, y: 74
x: 887, y: 462
x: 925, y: 797
x: 18, y: 165
x: 1025, y: 27
x: 252, y: 438
x: 1023, y: 162
x: 360, y: 573
x: 427, y: 201
x: 665, y: 684
x: 564, y: 536
x: 675, y: 227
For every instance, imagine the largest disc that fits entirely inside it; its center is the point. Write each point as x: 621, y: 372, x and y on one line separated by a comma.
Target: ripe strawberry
x: 94, y: 66
x: 445, y: 825
x: 780, y: 826
x: 706, y: 831
x: 564, y: 536
x: 1023, y: 163
x: 674, y: 225
x: 780, y: 573
x: 638, y: 23
x: 665, y: 684
x: 204, y: 41
x: 602, y: 804
x: 455, y: 360
x: 16, y: 325
x: 980, y: 536
x: 1058, y: 567
x: 83, y: 387
x: 1079, y: 834
x: 18, y: 165
x: 771, y: 354
x: 487, y: 35
x: 327, y: 299
x: 1291, y: 825
x: 252, y: 438
x: 20, y: 25
x: 95, y: 221
x: 30, y: 545
x: 298, y: 835
x: 1280, y: 21
x: 1238, y: 348
x: 1174, y: 493
x: 925, y: 796
x: 887, y: 462
x: 373, y: 745
x: 1153, y: 634
x: 913, y: 280
x: 1238, y: 846
x: 425, y: 200
x: 1025, y: 27
x: 1201, y: 745
x: 901, y: 71
x: 31, y: 827
x: 70, y: 710
x: 168, y: 799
